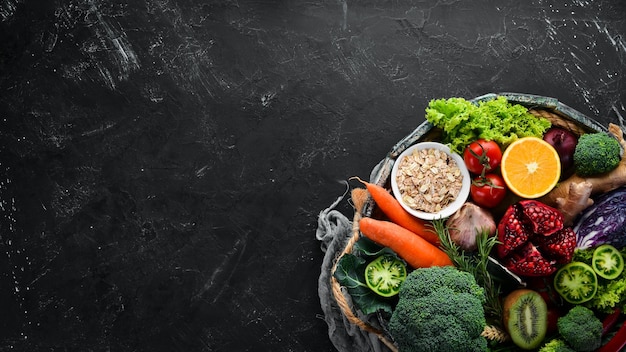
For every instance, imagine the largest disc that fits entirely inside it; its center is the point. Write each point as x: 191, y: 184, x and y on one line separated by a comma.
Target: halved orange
x: 530, y: 167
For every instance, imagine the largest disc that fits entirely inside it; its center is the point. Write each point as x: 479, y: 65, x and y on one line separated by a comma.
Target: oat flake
x: 429, y: 180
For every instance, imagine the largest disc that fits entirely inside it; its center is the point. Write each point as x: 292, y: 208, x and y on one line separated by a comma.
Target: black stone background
x: 163, y: 162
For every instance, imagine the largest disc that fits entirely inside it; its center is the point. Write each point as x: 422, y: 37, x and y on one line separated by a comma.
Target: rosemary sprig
x: 474, y: 263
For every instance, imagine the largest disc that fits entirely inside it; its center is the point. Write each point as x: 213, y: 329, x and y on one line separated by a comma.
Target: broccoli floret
x: 596, y: 153
x: 581, y: 329
x: 556, y: 345
x: 439, y: 309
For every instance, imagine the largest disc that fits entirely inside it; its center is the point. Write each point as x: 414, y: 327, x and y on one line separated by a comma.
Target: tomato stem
x: 483, y: 159
x: 484, y: 181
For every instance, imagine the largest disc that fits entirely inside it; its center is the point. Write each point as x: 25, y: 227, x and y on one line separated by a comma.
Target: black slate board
x: 163, y: 162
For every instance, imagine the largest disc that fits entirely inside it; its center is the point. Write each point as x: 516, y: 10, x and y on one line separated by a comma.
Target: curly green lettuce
x: 464, y: 122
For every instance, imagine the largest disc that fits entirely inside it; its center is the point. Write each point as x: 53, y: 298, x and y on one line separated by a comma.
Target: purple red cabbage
x: 603, y: 222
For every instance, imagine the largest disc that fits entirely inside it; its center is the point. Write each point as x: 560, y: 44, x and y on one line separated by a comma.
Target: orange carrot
x: 391, y: 207
x: 415, y: 250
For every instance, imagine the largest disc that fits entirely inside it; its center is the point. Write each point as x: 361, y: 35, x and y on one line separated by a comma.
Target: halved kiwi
x: 525, y: 318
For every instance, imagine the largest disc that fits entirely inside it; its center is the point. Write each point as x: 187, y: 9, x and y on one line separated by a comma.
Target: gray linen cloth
x: 334, y: 230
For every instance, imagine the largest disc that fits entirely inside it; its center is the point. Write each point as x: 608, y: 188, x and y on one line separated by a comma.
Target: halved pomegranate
x: 533, y: 240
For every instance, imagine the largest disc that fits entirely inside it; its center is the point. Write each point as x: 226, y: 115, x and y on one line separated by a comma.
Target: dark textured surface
x: 163, y: 162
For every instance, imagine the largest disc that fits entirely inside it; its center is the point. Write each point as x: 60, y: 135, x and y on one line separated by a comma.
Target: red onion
x: 564, y: 142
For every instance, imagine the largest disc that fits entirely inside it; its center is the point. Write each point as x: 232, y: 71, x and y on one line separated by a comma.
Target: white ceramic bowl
x: 453, y: 206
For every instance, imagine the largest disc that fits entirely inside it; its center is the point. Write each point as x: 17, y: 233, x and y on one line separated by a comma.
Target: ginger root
x: 573, y: 195
x: 578, y: 199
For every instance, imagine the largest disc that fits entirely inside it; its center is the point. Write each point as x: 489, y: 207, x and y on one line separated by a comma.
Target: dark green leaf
x: 350, y: 274
x: 369, y: 249
x: 347, y: 272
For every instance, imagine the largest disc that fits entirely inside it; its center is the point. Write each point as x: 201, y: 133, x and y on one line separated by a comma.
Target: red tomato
x: 482, y: 155
x: 488, y: 191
